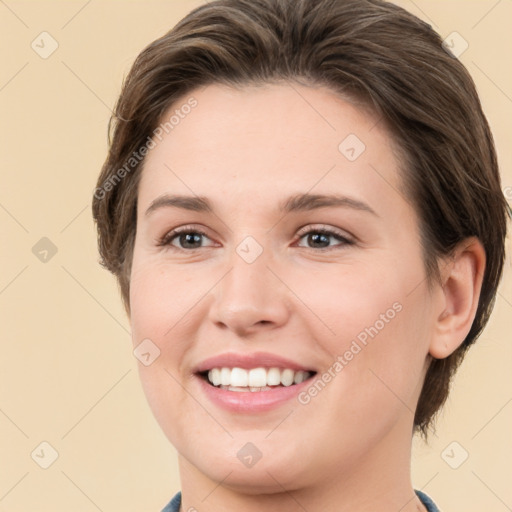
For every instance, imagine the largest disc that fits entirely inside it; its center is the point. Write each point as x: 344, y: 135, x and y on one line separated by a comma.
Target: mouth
x: 252, y: 383
x: 259, y: 379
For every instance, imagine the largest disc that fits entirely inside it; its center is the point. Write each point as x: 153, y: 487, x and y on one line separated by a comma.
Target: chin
x: 268, y: 475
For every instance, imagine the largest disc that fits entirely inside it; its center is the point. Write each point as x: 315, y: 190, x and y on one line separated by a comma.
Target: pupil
x: 319, y: 239
x: 190, y: 240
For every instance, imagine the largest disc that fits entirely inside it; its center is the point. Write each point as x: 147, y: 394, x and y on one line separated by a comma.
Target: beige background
x: 68, y: 376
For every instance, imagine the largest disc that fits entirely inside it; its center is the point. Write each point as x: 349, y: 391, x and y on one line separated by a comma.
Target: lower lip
x: 252, y: 401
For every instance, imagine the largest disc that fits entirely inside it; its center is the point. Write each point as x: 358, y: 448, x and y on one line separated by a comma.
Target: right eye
x: 185, y: 239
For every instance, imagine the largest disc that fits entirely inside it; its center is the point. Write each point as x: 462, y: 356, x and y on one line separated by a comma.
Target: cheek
x: 388, y: 372
x: 343, y: 302
x: 370, y: 322
x: 161, y: 299
x: 159, y: 303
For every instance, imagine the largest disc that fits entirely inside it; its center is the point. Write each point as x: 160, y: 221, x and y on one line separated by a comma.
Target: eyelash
x: 344, y: 240
x: 168, y: 238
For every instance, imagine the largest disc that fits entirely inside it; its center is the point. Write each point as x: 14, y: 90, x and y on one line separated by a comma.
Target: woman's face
x: 272, y: 233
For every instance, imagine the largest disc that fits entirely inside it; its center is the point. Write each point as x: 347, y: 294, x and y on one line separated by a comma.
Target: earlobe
x: 462, y: 279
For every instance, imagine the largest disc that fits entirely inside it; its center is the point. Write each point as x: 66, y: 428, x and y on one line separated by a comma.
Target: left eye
x: 322, y: 239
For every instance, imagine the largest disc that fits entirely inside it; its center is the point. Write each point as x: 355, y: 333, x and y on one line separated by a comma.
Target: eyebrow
x: 295, y: 203
x: 306, y: 202
x: 192, y: 203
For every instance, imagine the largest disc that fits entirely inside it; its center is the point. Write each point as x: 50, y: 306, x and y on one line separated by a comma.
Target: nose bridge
x: 249, y: 296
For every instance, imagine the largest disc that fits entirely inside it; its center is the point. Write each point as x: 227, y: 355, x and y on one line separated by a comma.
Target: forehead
x: 268, y: 141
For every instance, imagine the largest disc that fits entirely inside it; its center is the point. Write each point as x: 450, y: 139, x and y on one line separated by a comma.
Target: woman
x: 302, y: 205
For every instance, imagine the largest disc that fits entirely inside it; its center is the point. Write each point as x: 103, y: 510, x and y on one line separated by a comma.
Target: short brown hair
x: 369, y: 50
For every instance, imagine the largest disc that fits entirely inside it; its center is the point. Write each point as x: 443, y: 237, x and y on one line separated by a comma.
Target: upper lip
x: 248, y: 361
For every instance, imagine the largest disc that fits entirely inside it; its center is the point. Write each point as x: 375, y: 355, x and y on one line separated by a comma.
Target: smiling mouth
x: 255, y: 379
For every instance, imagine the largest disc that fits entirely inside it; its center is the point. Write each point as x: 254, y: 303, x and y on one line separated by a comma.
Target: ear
x: 461, y: 282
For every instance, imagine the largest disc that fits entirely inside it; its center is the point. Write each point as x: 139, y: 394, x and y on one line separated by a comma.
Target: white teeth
x: 233, y: 388
x: 300, y: 376
x: 239, y: 377
x: 214, y: 376
x: 255, y: 379
x: 225, y: 376
x: 273, y: 377
x: 287, y: 377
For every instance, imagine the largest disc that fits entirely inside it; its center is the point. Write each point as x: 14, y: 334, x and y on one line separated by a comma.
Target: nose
x: 249, y: 298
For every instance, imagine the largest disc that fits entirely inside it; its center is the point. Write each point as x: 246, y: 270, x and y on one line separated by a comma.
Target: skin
x: 246, y: 151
